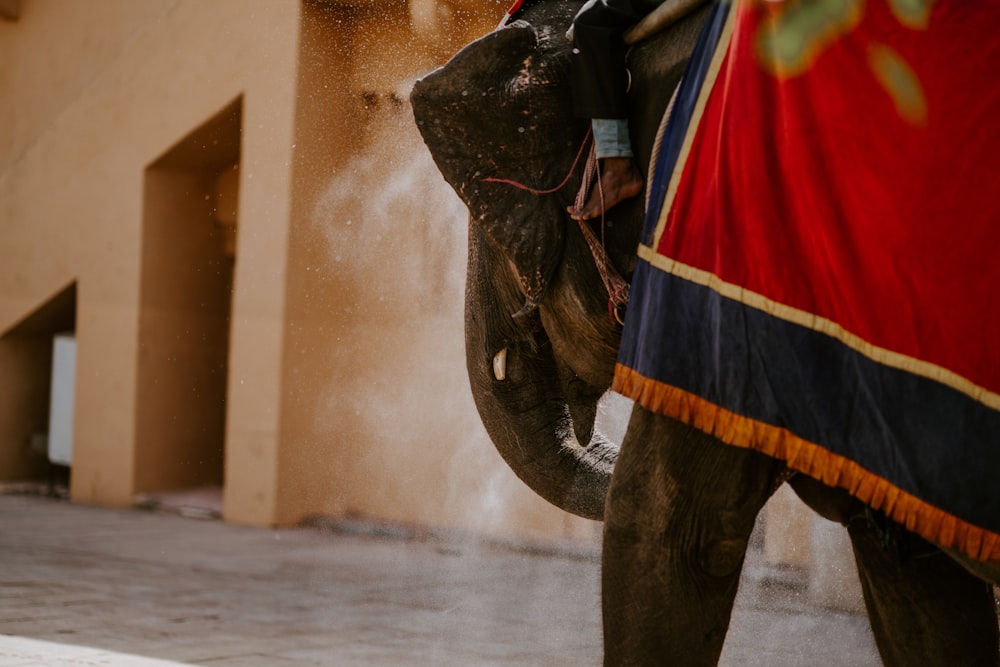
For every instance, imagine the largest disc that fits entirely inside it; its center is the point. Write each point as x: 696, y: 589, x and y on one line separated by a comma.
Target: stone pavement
x: 97, y: 587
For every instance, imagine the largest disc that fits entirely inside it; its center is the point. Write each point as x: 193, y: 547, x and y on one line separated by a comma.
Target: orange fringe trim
x: 832, y: 469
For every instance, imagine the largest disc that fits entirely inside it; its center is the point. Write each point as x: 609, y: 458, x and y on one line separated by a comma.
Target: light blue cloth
x: 611, y: 137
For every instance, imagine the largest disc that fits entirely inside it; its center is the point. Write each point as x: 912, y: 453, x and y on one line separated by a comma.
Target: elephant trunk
x: 522, y: 401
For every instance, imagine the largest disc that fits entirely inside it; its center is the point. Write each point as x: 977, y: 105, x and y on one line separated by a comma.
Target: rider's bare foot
x: 620, y: 180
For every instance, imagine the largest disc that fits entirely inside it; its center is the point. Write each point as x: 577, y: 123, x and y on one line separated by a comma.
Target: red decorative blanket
x: 819, y: 275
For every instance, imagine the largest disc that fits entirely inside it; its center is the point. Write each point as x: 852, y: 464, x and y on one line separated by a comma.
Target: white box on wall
x: 61, y: 399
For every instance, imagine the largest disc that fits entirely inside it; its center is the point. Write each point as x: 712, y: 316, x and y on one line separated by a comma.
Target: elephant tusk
x: 500, y: 365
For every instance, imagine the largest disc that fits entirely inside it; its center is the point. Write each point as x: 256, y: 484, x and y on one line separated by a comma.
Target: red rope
x: 521, y: 186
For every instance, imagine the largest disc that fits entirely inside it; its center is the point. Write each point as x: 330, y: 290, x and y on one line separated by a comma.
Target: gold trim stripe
x: 722, y: 48
x: 822, y: 325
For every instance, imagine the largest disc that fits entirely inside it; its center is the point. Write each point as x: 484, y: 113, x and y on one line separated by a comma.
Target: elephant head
x: 540, y: 346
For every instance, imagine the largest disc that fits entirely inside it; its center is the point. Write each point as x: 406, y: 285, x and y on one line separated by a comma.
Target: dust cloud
x: 408, y: 238
x: 426, y: 456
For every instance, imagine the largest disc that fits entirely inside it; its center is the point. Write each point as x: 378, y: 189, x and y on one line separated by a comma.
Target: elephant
x: 678, y: 505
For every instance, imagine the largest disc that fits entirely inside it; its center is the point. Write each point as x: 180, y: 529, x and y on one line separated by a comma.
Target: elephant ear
x: 498, y: 123
x: 532, y: 237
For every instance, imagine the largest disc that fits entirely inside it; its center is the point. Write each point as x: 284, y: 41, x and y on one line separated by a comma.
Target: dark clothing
x: 597, y: 68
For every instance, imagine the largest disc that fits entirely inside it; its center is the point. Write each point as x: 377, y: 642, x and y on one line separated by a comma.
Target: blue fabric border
x: 897, y: 425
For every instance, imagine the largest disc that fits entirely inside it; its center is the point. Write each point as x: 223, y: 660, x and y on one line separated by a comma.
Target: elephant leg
x: 679, y: 515
x: 925, y: 608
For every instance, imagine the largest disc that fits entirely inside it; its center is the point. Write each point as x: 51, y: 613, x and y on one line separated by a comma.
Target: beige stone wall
x: 338, y: 386
x: 100, y: 91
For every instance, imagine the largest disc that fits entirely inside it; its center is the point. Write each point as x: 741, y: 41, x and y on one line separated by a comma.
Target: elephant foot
x: 925, y: 608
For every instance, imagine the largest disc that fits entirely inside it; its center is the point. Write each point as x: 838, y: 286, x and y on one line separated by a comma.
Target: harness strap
x: 618, y: 289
